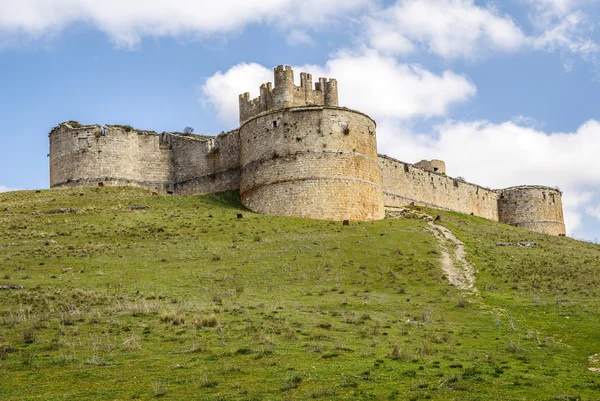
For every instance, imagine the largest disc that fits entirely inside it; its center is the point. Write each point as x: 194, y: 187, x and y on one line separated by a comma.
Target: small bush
x: 291, y: 382
x: 172, y: 317
x: 209, y: 384
x: 206, y: 321
x: 158, y: 388
x: 462, y: 303
x: 28, y: 335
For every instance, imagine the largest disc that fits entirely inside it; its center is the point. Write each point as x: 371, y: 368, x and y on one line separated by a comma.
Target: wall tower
x: 535, y: 208
x: 307, y: 157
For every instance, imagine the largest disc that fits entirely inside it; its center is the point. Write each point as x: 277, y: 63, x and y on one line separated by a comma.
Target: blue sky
x: 507, y: 92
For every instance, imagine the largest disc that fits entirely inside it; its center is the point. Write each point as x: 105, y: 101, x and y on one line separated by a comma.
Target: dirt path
x: 594, y: 361
x: 459, y: 271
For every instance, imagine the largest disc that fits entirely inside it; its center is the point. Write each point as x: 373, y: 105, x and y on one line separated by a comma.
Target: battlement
x: 286, y: 94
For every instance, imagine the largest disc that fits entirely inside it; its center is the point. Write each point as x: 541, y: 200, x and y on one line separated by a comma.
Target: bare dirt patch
x: 458, y: 270
x: 594, y: 362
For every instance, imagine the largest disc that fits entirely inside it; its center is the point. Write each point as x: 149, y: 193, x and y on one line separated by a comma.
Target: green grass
x: 183, y: 300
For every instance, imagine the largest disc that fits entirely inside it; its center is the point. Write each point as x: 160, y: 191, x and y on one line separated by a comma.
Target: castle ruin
x: 296, y: 153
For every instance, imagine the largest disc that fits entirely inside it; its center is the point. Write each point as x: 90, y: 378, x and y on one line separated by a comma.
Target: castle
x: 296, y: 153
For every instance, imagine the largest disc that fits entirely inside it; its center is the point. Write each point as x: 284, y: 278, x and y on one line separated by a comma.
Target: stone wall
x: 315, y: 162
x: 286, y: 94
x: 404, y: 184
x: 535, y: 208
x: 203, y: 165
x: 92, y: 155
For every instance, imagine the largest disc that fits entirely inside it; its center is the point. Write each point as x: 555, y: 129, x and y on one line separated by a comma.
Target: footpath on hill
x: 459, y: 272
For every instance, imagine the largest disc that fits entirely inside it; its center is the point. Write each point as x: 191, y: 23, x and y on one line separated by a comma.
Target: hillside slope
x: 132, y: 296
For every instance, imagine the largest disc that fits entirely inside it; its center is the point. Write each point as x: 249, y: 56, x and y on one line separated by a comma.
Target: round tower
x: 317, y: 162
x: 535, y: 208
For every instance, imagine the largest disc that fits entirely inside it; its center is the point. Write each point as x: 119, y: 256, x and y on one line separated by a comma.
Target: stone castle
x: 296, y: 153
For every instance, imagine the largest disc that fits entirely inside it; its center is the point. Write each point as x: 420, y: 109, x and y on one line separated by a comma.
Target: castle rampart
x: 404, y: 184
x: 316, y: 162
x: 296, y: 153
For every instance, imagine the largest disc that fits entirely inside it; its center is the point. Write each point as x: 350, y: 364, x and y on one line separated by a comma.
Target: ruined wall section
x: 203, y: 165
x: 154, y: 159
x: 404, y: 184
x: 92, y: 155
x: 286, y: 94
x: 314, y: 162
x: 536, y: 208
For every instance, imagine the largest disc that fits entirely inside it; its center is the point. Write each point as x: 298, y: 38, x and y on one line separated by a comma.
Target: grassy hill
x: 132, y: 296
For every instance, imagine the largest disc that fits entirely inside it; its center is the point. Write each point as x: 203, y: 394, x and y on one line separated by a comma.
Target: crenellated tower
x: 286, y: 94
x: 302, y: 155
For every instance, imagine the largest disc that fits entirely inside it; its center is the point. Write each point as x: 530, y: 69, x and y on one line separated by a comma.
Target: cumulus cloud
x: 507, y: 154
x: 463, y: 29
x: 449, y: 28
x: 221, y: 91
x: 126, y: 22
x: 377, y: 85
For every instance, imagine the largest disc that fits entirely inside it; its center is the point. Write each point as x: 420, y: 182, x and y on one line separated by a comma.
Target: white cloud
x: 463, y: 29
x: 449, y: 28
x: 569, y: 34
x: 6, y: 189
x: 222, y: 90
x: 594, y: 211
x: 556, y: 8
x: 127, y: 21
x: 377, y: 85
x: 562, y: 25
x: 298, y: 37
x: 503, y: 155
x: 382, y: 87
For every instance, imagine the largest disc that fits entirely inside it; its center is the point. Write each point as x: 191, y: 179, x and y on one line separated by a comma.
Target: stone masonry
x: 296, y: 153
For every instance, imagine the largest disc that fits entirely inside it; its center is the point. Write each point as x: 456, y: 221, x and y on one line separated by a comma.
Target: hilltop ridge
x: 129, y: 295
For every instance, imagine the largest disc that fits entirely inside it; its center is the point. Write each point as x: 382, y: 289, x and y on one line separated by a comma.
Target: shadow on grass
x: 229, y: 199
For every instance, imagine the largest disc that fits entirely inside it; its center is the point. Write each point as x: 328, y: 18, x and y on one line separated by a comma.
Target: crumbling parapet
x: 114, y: 155
x: 286, y: 94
